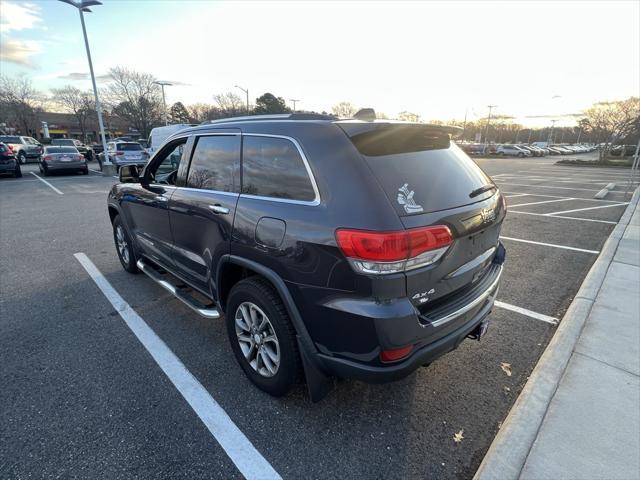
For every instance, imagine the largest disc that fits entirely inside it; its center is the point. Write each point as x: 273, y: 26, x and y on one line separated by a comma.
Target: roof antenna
x: 367, y: 114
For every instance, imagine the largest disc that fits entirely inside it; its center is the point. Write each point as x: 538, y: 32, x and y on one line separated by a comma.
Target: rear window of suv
x: 10, y: 139
x: 128, y: 147
x: 273, y: 167
x: 418, y: 166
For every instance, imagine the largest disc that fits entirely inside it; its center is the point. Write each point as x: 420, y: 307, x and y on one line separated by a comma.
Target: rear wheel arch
x: 113, y: 212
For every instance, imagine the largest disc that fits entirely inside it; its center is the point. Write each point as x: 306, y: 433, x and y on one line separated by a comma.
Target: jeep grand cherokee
x: 351, y: 248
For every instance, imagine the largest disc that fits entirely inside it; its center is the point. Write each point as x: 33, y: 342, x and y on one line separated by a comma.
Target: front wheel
x: 22, y: 157
x: 521, y: 155
x: 262, y: 336
x: 124, y: 246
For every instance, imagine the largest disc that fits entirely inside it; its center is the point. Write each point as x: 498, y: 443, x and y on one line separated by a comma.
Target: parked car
x: 125, y: 153
x: 8, y: 162
x: 623, y: 150
x: 512, y: 150
x: 70, y: 142
x: 58, y: 158
x: 24, y: 148
x: 554, y: 151
x: 332, y: 249
x: 535, y: 151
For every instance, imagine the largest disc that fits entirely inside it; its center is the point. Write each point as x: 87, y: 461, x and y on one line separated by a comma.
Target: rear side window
x: 273, y: 167
x: 418, y: 166
x: 215, y: 164
x: 9, y: 139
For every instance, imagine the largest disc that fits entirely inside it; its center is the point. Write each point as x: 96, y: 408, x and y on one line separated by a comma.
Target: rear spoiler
x: 389, y: 138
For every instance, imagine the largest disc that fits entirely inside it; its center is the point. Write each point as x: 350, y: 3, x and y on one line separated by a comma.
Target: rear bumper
x: 432, y: 333
x: 8, y: 167
x: 57, y: 167
x: 425, y: 355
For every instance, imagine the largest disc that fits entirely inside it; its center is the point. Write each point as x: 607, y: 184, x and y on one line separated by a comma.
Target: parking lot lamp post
x: 550, y: 139
x: 246, y: 91
x: 164, y: 99
x: 486, y: 130
x: 83, y: 6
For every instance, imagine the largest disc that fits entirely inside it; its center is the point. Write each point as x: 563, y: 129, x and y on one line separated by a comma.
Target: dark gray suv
x: 334, y: 248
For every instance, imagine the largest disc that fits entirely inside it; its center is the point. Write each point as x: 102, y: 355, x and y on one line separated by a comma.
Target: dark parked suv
x: 349, y: 248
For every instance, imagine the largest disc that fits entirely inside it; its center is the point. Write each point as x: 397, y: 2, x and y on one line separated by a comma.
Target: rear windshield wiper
x: 482, y: 189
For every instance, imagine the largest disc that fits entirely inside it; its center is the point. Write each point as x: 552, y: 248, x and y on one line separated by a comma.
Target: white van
x: 159, y: 134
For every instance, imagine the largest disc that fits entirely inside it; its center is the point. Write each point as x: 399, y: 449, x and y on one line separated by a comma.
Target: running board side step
x: 181, y: 293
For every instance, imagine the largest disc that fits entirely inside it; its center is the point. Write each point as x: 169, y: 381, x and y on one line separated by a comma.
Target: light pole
x: 294, y: 100
x: 246, y: 91
x: 163, y: 84
x: 83, y: 6
x: 486, y: 130
x: 550, y: 139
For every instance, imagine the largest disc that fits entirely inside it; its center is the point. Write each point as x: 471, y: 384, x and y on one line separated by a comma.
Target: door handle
x: 219, y: 209
x: 160, y: 198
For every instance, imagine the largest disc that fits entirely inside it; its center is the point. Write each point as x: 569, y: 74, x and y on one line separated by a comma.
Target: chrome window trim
x: 305, y: 161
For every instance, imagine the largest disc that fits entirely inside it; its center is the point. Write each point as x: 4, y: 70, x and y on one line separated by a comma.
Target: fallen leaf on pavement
x: 506, y: 368
x: 458, y: 436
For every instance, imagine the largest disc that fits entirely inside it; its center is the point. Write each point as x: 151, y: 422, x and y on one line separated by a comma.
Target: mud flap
x: 318, y: 383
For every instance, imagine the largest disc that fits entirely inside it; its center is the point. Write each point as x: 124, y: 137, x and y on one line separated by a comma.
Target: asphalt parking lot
x: 82, y: 396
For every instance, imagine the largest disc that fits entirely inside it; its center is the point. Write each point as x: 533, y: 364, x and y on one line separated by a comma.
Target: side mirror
x: 129, y: 174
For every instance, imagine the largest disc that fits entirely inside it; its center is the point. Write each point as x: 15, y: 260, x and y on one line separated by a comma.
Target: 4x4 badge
x: 405, y: 198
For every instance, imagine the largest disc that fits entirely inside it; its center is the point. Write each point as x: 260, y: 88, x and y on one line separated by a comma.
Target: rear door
x: 430, y: 181
x: 203, y: 206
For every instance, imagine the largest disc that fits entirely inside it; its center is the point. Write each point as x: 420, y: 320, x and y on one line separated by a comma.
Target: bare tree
x: 19, y: 104
x: 79, y: 103
x: 135, y: 98
x: 201, y: 112
x: 230, y: 104
x: 613, y: 121
x: 344, y: 110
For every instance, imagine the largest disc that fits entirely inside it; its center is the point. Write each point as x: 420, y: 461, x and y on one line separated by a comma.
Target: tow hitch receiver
x: 480, y: 330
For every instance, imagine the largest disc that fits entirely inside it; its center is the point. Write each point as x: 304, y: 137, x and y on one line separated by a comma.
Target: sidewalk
x: 578, y: 416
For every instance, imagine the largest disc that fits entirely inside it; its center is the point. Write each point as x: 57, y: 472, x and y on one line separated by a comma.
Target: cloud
x: 19, y: 51
x: 21, y: 16
x: 77, y: 76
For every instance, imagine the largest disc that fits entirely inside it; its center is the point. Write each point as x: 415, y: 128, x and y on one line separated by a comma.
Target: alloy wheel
x: 257, y: 339
x: 121, y: 243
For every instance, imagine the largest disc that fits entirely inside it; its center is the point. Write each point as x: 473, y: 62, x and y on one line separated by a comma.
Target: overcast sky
x: 437, y: 59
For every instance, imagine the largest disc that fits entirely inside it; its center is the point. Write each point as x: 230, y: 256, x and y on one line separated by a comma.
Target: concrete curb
x: 509, y: 450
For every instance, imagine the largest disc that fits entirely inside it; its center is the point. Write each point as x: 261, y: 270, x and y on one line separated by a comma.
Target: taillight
x: 392, y: 252
x: 80, y: 157
x: 48, y: 158
x: 397, y: 354
x: 119, y: 153
x: 10, y: 147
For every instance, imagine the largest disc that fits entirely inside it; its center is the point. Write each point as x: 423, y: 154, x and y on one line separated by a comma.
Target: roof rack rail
x: 279, y: 116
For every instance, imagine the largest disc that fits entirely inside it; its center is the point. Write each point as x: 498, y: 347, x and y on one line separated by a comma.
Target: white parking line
x: 560, y: 196
x: 47, y: 183
x: 518, y: 195
x: 543, y: 201
x: 567, y: 218
x: 96, y: 171
x: 564, y: 247
x: 240, y: 450
x: 552, y: 186
x: 588, y: 208
x: 528, y: 313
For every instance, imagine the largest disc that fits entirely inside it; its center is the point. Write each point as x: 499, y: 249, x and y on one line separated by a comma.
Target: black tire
x: 129, y: 259
x: 260, y: 292
x: 22, y: 157
x: 18, y: 172
x: 521, y: 155
x: 85, y: 171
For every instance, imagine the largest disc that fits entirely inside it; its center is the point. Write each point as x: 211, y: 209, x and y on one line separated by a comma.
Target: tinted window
x: 60, y: 150
x: 215, y: 163
x: 7, y: 139
x: 3, y: 148
x: 420, y: 169
x: 62, y: 141
x: 273, y: 167
x: 128, y: 147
